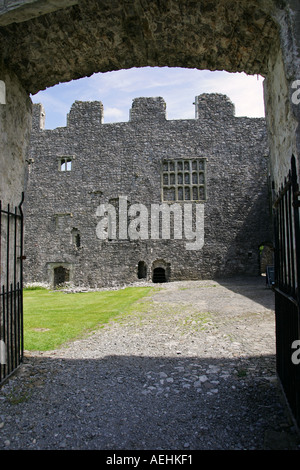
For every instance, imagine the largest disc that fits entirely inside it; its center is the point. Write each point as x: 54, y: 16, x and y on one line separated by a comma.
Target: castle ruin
x: 151, y: 198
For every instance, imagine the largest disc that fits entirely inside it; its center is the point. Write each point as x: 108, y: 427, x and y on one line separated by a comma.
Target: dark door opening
x: 159, y: 275
x: 61, y: 276
x: 142, y: 270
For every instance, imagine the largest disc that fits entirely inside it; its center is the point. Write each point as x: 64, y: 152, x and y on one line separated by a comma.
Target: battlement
x: 38, y: 117
x: 146, y: 109
x: 85, y: 112
x: 213, y: 106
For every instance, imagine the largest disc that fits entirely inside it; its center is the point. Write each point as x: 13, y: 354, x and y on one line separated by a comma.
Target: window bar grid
x: 186, y: 178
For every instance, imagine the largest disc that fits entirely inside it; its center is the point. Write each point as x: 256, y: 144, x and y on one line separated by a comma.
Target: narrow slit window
x: 76, y: 238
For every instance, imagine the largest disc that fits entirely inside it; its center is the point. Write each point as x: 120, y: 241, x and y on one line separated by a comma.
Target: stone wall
x: 15, y: 124
x: 90, y: 36
x: 62, y: 210
x: 281, y: 88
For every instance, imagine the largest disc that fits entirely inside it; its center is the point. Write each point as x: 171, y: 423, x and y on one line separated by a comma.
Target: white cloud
x: 246, y: 92
x: 114, y: 113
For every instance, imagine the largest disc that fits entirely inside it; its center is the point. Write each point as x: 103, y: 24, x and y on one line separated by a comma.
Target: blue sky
x: 177, y: 86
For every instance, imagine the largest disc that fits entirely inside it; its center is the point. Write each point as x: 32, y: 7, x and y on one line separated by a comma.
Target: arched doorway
x: 266, y: 256
x: 161, y: 271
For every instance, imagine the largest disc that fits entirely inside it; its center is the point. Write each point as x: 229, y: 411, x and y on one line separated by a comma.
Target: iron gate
x: 11, y: 296
x: 287, y: 294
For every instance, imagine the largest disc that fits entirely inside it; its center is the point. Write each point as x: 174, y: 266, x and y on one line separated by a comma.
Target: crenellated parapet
x: 208, y: 106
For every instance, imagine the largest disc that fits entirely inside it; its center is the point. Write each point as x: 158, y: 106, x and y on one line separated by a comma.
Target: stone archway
x: 43, y: 43
x: 87, y: 36
x: 161, y: 271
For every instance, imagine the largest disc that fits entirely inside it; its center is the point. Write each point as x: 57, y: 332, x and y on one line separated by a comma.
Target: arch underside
x: 93, y: 36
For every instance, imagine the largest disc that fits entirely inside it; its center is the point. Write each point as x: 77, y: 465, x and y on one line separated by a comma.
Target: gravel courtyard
x: 192, y: 369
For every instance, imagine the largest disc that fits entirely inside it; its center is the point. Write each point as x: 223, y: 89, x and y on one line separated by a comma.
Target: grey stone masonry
x: 17, y: 11
x: 151, y: 198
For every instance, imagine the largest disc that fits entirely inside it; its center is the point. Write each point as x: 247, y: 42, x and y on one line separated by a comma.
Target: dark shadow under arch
x: 159, y: 275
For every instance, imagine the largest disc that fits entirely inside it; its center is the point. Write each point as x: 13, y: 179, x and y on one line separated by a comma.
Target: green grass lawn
x: 52, y: 318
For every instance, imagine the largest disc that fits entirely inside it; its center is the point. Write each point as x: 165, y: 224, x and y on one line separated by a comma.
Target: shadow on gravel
x: 140, y: 403
x: 254, y: 288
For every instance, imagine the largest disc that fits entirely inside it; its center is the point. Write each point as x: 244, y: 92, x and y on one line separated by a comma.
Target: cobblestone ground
x: 193, y: 368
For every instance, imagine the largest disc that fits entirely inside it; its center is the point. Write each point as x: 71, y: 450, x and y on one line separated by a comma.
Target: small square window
x: 65, y: 163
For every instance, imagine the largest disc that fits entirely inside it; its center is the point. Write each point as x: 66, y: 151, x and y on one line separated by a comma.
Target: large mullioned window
x: 183, y: 180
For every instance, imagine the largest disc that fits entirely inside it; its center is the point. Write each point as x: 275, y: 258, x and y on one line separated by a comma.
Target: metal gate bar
x: 11, y: 295
x: 287, y: 278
